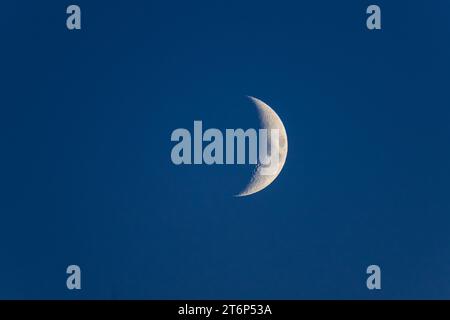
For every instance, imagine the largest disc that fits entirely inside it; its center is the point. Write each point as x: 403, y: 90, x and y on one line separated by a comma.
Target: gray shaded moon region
x: 268, y: 120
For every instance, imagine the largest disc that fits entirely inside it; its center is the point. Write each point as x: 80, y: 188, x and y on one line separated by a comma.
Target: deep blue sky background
x: 86, y: 176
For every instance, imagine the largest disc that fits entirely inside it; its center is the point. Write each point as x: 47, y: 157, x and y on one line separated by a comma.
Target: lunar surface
x: 268, y: 120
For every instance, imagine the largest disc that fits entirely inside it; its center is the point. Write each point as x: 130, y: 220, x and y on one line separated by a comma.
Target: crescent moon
x: 268, y: 120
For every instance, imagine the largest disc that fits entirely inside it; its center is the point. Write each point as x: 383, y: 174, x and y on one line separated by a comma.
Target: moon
x: 268, y: 120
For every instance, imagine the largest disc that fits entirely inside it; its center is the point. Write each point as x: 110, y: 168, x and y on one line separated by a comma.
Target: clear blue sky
x: 86, y: 176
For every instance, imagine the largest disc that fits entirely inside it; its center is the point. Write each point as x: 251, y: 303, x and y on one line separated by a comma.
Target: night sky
x: 86, y: 176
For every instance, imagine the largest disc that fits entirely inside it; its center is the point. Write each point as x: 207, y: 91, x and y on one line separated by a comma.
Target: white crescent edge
x: 269, y: 120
